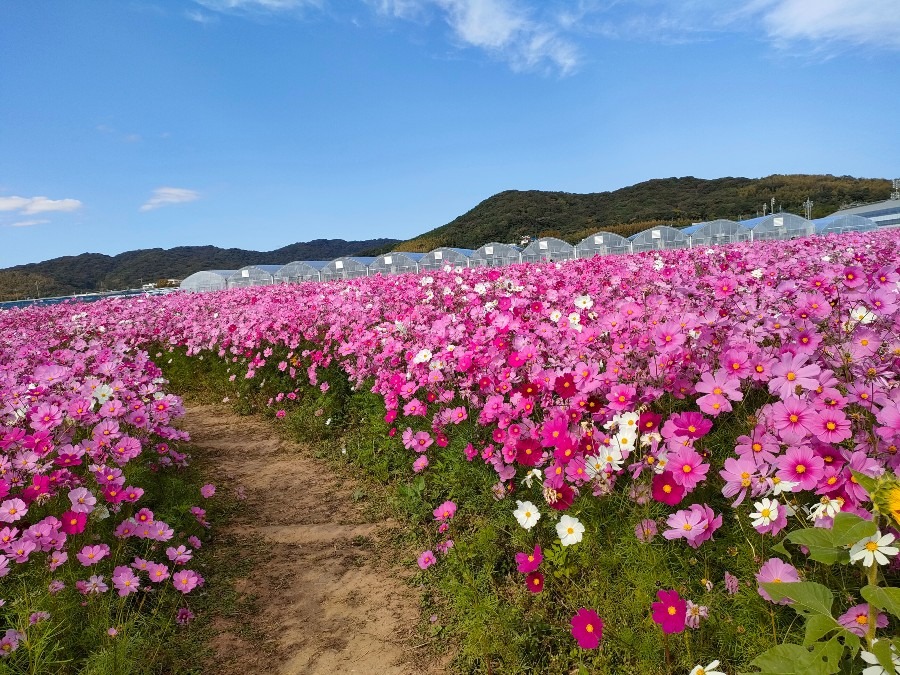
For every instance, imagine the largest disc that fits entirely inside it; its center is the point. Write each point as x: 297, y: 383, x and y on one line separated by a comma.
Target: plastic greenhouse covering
x: 603, y: 243
x: 495, y: 255
x: 548, y: 248
x: 440, y: 257
x: 253, y: 275
x: 300, y: 270
x: 208, y: 280
x: 348, y: 267
x: 781, y: 226
x: 841, y: 224
x: 395, y: 262
x: 659, y: 238
x: 717, y: 232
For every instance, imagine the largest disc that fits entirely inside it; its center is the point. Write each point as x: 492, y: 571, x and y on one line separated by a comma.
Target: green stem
x: 873, y: 611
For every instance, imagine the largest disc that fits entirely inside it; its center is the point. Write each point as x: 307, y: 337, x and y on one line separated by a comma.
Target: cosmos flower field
x: 673, y: 462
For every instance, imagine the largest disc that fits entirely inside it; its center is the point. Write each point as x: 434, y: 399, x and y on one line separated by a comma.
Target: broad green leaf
x: 882, y: 651
x: 887, y: 599
x: 812, y: 536
x: 779, y: 548
x: 867, y: 483
x: 818, y: 626
x: 808, y: 597
x: 829, y: 556
x: 796, y: 660
x: 849, y: 528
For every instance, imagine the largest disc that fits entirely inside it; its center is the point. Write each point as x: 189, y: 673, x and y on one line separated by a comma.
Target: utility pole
x: 807, y: 206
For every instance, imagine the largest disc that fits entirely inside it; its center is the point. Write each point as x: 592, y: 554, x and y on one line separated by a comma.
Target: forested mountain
x: 95, y: 271
x: 508, y: 216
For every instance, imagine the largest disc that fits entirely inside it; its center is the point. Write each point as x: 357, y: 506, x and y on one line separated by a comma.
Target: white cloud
x: 860, y: 22
x: 257, y: 5
x: 28, y: 223
x: 167, y: 196
x: 200, y: 17
x: 32, y: 205
x: 507, y: 29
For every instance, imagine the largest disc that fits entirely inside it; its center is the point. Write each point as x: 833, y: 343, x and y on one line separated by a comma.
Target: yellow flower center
x: 671, y: 611
x: 589, y: 628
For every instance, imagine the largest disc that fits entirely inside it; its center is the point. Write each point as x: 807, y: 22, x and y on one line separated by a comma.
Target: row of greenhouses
x: 549, y: 249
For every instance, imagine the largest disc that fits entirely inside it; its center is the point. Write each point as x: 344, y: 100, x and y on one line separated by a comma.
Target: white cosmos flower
x: 873, y: 549
x: 782, y: 486
x: 532, y: 475
x: 594, y: 465
x: 756, y: 274
x: 584, y: 302
x: 102, y: 393
x: 707, y: 670
x: 826, y: 508
x: 527, y: 514
x: 574, y: 318
x: 766, y: 512
x: 555, y: 315
x: 423, y: 356
x: 569, y: 530
x: 875, y: 668
x: 862, y: 314
x: 612, y: 458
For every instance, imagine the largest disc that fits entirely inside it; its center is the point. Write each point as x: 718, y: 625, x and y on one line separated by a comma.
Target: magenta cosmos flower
x: 670, y: 612
x: 445, y: 511
x: 666, y: 490
x: 426, y: 560
x: 802, y: 466
x: 529, y: 562
x: 587, y: 628
x: 535, y: 582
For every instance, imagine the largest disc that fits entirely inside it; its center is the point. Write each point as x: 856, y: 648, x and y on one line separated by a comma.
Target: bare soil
x: 325, y: 597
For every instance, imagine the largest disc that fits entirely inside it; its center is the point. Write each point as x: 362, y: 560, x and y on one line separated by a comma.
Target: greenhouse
x: 548, y: 249
x: 717, y: 232
x: 253, y: 275
x: 300, y: 270
x: 208, y: 280
x: 348, y: 267
x: 659, y: 239
x: 395, y: 263
x: 603, y: 243
x: 495, y: 255
x: 841, y: 224
x: 439, y: 257
x: 779, y: 226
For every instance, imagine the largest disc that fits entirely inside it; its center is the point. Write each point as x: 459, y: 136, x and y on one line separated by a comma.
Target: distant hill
x: 508, y: 216
x: 95, y: 271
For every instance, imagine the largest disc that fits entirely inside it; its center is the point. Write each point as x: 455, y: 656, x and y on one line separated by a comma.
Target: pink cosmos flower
x: 856, y: 619
x: 420, y: 463
x: 793, y: 419
x: 802, y: 466
x: 688, y: 468
x: 280, y: 414
x: 184, y: 616
x: 186, y: 580
x: 686, y: 425
x: 445, y: 511
x: 125, y: 580
x: 91, y: 555
x: 731, y: 583
x: 739, y: 475
x: 426, y: 560
x: 529, y: 562
x: 587, y: 628
x: 208, y: 490
x: 646, y: 530
x: 157, y: 572
x: 670, y: 613
x: 776, y: 570
x: 12, y: 510
x: 792, y: 371
x: 694, y: 613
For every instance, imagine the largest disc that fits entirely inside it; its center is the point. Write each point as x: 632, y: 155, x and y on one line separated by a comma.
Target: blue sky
x: 259, y: 123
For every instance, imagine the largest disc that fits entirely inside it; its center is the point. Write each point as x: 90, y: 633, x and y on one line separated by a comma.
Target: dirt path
x: 326, y: 601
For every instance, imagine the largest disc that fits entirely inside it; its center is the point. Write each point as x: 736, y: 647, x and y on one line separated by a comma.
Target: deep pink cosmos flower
x: 72, y: 522
x: 535, y: 581
x: 666, y: 490
x: 687, y: 467
x: 445, y: 511
x: 670, y: 612
x: 686, y: 425
x: 587, y: 628
x: 426, y: 560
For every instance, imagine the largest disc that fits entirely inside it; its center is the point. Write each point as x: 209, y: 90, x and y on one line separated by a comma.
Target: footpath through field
x: 326, y: 600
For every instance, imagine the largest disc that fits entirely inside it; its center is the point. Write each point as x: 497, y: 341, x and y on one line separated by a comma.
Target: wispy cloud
x: 167, y: 196
x: 258, y: 6
x: 200, y: 17
x: 33, y: 205
x: 28, y: 223
x: 857, y: 22
x: 122, y: 136
x: 507, y: 29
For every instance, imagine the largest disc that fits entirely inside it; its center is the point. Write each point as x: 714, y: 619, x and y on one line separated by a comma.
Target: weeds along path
x: 323, y: 598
